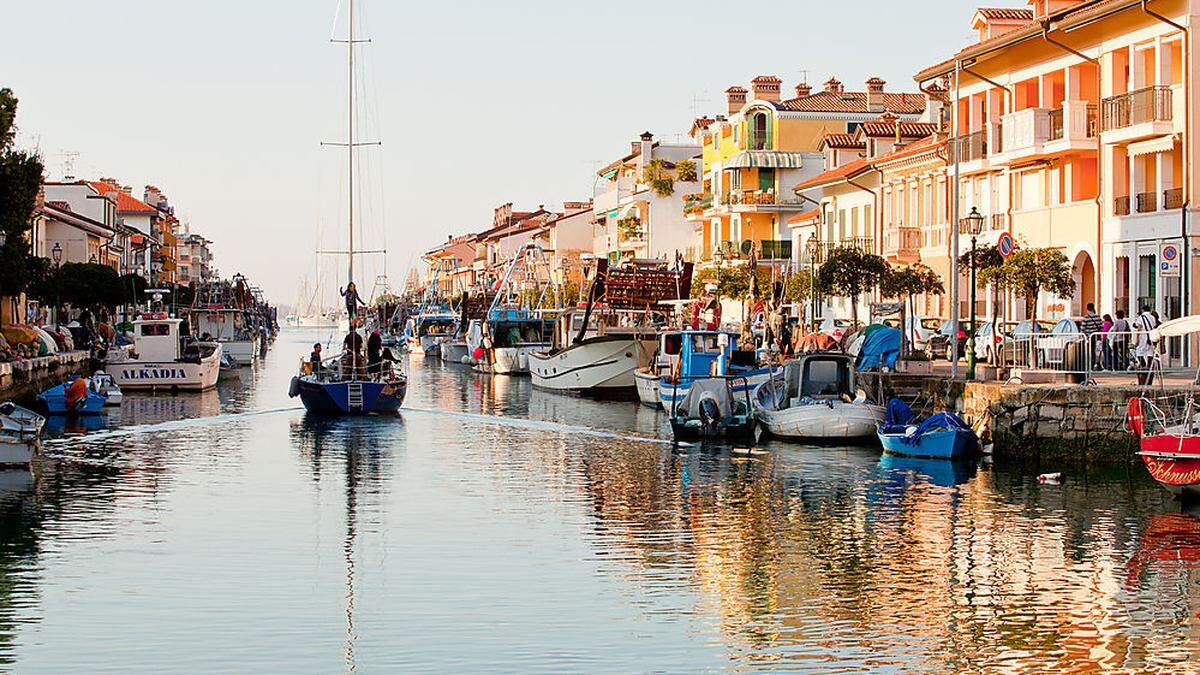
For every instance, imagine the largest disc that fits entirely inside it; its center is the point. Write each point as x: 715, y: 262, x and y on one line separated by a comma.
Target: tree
x: 1029, y: 270
x: 20, y: 180
x: 989, y: 270
x: 904, y: 283
x: 849, y: 272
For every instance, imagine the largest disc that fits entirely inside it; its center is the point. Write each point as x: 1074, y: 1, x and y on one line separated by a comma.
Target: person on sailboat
x: 374, y: 352
x: 352, y: 359
x: 315, y: 358
x: 353, y: 300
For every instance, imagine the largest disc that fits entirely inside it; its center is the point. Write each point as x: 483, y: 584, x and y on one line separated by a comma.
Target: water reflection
x: 433, y: 542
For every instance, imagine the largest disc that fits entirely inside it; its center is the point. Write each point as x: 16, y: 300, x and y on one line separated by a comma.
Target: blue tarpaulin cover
x: 900, y: 417
x: 881, y: 348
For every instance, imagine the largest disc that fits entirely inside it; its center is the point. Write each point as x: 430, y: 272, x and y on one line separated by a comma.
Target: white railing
x: 1025, y: 129
x: 1126, y: 354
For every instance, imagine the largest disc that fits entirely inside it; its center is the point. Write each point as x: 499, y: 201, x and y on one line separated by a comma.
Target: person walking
x: 1090, y: 325
x: 1143, y: 347
x: 1119, y: 341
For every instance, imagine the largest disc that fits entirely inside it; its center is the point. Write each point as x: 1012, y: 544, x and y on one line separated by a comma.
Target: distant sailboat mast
x: 350, y: 138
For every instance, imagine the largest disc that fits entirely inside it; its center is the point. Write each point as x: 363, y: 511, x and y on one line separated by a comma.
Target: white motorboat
x: 600, y: 358
x: 427, y: 331
x: 228, y: 326
x: 20, y: 431
x: 162, y: 359
x: 104, y: 385
x: 511, y: 335
x: 814, y: 400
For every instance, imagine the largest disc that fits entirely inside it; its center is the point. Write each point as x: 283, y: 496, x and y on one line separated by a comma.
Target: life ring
x: 1135, y: 417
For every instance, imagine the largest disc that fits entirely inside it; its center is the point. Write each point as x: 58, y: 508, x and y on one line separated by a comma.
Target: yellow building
x: 765, y: 144
x: 1071, y: 124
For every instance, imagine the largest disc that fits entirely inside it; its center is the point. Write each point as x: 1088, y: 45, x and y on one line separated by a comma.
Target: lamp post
x: 974, y: 223
x: 56, y: 256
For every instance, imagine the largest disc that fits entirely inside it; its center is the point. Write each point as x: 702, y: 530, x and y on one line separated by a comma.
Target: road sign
x: 1169, y: 260
x: 1005, y: 244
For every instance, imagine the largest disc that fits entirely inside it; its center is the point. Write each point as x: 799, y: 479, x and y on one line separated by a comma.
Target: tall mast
x: 350, y: 140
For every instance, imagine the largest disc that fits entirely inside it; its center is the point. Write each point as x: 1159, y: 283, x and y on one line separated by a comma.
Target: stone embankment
x: 1028, y: 422
x: 21, y: 380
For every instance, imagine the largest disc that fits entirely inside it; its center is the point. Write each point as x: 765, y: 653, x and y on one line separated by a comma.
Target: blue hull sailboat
x: 342, y: 385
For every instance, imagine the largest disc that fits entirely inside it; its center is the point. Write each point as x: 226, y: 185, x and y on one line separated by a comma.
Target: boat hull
x: 598, y: 364
x: 454, y: 351
x: 510, y: 360
x: 340, y: 398
x: 1174, y: 462
x: 19, y: 433
x: 647, y: 387
x: 737, y: 428
x: 166, y: 375
x: 241, y: 352
x: 838, y: 421
x: 939, y: 444
x: 55, y: 401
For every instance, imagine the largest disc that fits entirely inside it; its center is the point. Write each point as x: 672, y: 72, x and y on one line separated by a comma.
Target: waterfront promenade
x: 495, y: 527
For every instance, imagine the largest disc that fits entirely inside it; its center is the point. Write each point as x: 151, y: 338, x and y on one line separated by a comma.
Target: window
x: 841, y: 223
x: 766, y: 180
x: 868, y: 222
x: 825, y: 377
x: 1121, y: 285
x: 854, y: 222
x: 155, y: 329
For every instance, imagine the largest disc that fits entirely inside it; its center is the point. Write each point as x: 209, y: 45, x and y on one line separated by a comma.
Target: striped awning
x: 1152, y: 146
x: 766, y: 159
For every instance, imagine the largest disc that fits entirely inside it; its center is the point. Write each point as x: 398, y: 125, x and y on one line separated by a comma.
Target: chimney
x: 803, y: 89
x: 935, y: 103
x: 646, y: 147
x: 766, y: 87
x: 833, y: 86
x: 875, y: 95
x: 735, y: 98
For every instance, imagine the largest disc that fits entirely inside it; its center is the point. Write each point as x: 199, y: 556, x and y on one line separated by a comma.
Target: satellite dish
x: 747, y: 246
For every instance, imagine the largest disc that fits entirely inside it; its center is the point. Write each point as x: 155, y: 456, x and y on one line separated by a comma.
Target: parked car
x: 836, y: 328
x: 920, y: 330
x: 1058, y: 351
x: 939, y: 343
x: 1018, y: 346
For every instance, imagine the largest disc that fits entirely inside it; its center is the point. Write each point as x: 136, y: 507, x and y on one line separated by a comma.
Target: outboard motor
x: 710, y: 414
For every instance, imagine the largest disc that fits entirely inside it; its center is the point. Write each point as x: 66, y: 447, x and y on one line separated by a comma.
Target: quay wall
x: 22, y: 380
x: 1032, y: 423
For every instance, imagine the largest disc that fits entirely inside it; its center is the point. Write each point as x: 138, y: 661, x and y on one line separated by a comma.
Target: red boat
x: 1171, y: 453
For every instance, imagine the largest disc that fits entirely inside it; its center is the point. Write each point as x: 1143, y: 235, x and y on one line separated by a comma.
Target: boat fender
x: 1050, y: 478
x: 294, y: 387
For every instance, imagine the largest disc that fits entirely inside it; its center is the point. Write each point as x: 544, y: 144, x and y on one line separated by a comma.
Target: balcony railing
x: 761, y: 198
x: 1151, y: 104
x: 1147, y: 202
x: 1173, y: 198
x: 971, y: 147
x: 902, y: 239
x: 1056, y: 124
x: 697, y: 203
x: 1121, y: 206
x: 998, y: 221
x: 758, y: 141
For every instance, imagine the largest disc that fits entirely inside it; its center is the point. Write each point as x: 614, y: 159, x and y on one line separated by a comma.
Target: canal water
x: 492, y: 527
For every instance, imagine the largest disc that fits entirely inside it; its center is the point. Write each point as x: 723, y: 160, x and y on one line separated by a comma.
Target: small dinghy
x: 78, y: 396
x: 19, y: 433
x: 105, y: 385
x: 942, y: 435
x: 710, y: 410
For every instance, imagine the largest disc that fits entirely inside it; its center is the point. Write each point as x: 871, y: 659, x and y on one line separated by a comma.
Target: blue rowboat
x: 939, y: 436
x: 55, y: 400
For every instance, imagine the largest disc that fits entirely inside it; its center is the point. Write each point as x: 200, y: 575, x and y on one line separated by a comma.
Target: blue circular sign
x: 1005, y: 244
x: 1170, y: 252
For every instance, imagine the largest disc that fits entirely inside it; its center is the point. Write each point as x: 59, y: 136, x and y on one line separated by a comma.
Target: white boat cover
x: 715, y: 389
x: 1185, y: 325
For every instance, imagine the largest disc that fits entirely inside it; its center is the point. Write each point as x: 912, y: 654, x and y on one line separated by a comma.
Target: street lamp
x: 974, y: 225
x: 56, y: 256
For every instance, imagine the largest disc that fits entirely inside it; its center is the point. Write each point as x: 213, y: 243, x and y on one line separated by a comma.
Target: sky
x: 224, y: 105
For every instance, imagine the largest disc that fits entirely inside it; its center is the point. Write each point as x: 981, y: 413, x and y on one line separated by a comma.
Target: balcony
x: 1022, y: 134
x: 902, y: 243
x: 1173, y: 198
x: 764, y: 200
x: 698, y: 203
x: 758, y: 140
x: 1072, y: 127
x: 1138, y: 114
x: 998, y: 222
x: 971, y: 147
x: 1147, y: 202
x: 1121, y: 206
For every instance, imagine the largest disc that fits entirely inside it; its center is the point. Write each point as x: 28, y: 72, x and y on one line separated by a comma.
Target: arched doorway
x: 1083, y: 271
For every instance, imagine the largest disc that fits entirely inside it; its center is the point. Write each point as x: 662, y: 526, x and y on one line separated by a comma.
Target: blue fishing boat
x: 85, y: 400
x: 707, y: 353
x: 942, y: 435
x: 330, y: 394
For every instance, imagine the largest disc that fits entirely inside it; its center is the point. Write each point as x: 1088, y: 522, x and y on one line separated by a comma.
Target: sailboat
x: 346, y: 384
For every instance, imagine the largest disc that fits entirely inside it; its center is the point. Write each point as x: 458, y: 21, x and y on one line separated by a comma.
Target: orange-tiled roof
x: 835, y: 175
x: 844, y: 142
x: 805, y: 217
x: 931, y: 142
x: 887, y: 128
x: 126, y: 203
x: 853, y: 102
x: 1006, y: 13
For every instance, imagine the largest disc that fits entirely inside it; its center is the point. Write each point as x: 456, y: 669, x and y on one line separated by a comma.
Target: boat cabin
x: 156, y: 338
x: 222, y: 324
x: 434, y: 324
x: 820, y: 376
x: 704, y: 353
x: 519, y: 328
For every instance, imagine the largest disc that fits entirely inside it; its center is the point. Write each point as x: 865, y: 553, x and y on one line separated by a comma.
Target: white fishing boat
x: 815, y: 400
x: 228, y: 326
x: 161, y: 358
x: 454, y: 350
x: 20, y: 430
x: 600, y: 358
x: 104, y: 385
x: 662, y: 363
x: 427, y: 331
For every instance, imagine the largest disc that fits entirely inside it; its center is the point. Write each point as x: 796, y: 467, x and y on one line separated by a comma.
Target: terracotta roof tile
x: 807, y: 216
x: 887, y: 129
x: 835, y: 175
x: 854, y: 102
x: 126, y: 203
x: 1006, y: 13
x: 844, y: 142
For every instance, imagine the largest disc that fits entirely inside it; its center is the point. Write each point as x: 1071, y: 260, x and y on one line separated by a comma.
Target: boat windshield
x: 825, y: 377
x: 705, y: 344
